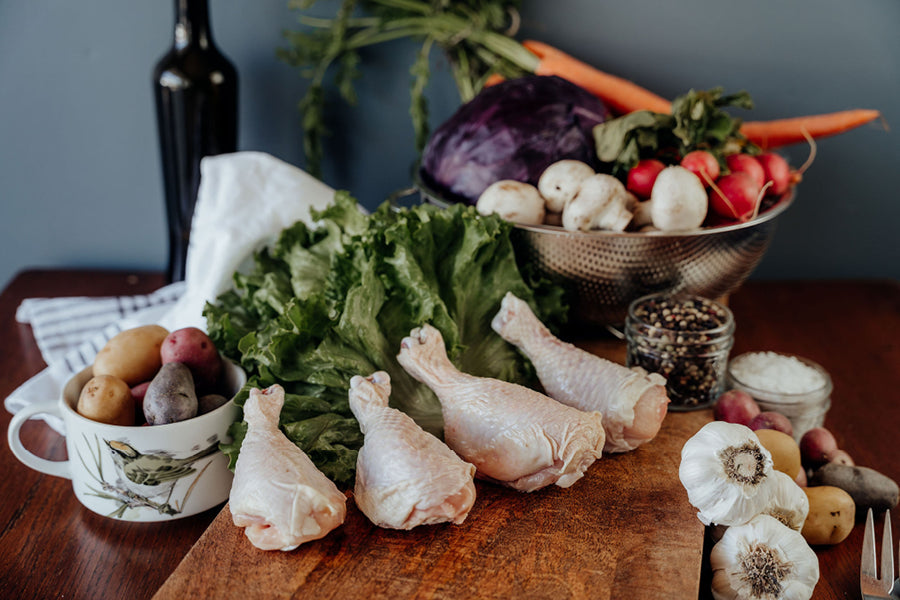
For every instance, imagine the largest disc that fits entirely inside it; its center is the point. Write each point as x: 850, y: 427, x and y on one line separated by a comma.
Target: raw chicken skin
x: 513, y: 435
x: 405, y: 477
x: 278, y: 494
x: 632, y: 402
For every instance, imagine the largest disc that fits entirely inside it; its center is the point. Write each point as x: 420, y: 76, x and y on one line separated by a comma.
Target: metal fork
x: 873, y: 587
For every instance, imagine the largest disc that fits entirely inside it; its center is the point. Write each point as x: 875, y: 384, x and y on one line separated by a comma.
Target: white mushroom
x: 642, y: 216
x: 678, y: 201
x: 560, y: 182
x: 599, y: 204
x: 512, y: 200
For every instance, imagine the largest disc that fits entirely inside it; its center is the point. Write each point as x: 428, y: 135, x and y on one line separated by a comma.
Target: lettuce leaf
x: 328, y: 303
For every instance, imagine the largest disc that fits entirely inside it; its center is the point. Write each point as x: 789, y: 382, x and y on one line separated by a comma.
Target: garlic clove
x: 763, y: 559
x: 726, y: 473
x: 787, y: 503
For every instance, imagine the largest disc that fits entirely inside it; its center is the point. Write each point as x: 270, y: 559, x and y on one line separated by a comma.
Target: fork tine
x: 867, y: 566
x: 887, y: 553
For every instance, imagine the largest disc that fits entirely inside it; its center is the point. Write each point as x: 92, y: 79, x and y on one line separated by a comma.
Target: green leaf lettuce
x: 328, y: 303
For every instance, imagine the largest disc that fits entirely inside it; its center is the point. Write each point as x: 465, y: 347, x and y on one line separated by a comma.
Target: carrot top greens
x: 471, y: 33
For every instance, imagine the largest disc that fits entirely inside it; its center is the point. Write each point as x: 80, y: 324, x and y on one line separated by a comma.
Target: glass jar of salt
x: 684, y: 338
x: 791, y: 385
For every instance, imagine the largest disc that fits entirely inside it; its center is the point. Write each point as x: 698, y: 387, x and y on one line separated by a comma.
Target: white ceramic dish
x: 141, y: 473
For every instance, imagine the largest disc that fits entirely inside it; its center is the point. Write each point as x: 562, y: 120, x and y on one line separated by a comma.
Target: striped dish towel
x: 70, y: 331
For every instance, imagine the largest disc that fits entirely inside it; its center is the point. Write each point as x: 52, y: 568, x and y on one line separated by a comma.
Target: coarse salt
x: 777, y: 373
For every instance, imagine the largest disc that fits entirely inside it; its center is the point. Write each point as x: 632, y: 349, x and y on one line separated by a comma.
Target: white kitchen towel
x: 244, y: 201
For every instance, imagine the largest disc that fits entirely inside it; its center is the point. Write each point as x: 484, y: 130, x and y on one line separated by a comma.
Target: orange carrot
x: 494, y: 79
x: 621, y: 95
x: 783, y: 132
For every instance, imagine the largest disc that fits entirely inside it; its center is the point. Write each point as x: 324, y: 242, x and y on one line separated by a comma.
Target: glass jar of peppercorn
x: 684, y: 338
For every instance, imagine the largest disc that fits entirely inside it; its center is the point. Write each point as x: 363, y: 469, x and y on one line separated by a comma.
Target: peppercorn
x: 686, y: 339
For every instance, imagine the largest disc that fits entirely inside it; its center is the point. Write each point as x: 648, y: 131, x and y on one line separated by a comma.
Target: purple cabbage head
x: 512, y: 130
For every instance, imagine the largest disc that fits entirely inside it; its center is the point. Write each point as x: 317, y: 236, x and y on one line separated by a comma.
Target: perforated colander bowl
x: 604, y: 271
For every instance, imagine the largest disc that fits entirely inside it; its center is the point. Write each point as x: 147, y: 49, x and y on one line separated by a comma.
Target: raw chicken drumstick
x: 278, y: 494
x: 404, y: 476
x: 633, y: 403
x: 513, y: 435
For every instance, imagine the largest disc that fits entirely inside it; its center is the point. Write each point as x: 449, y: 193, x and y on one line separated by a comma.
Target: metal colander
x: 604, y: 271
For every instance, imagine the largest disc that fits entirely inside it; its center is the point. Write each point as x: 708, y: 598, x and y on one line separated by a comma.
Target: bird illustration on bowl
x: 147, y: 479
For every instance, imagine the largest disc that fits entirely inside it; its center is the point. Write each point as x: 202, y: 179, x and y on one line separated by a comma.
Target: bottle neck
x: 192, y: 24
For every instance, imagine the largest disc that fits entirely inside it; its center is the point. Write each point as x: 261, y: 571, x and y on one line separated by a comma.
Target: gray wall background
x: 80, y: 179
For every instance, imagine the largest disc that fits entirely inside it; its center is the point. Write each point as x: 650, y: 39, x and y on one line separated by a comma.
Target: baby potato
x: 209, y: 403
x: 132, y: 355
x: 785, y: 451
x: 867, y: 487
x: 106, y: 399
x: 171, y: 396
x: 832, y: 514
x: 191, y: 347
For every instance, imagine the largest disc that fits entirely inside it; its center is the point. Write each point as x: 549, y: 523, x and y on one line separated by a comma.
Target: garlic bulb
x: 788, y: 504
x: 787, y: 501
x: 726, y: 473
x: 764, y: 560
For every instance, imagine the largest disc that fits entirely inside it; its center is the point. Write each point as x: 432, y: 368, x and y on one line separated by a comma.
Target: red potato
x: 776, y: 170
x: 744, y: 163
x: 772, y: 420
x: 735, y: 406
x: 840, y: 457
x: 193, y: 348
x: 816, y: 445
x: 642, y: 176
x: 702, y: 164
x: 735, y: 196
x: 137, y: 394
x: 139, y: 391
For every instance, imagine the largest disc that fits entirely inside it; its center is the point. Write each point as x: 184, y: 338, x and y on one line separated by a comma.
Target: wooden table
x: 54, y: 548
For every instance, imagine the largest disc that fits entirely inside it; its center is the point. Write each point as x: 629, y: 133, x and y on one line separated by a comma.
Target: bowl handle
x: 57, y: 468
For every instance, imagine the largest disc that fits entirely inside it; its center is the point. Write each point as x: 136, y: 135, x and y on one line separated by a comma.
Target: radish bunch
x: 733, y: 194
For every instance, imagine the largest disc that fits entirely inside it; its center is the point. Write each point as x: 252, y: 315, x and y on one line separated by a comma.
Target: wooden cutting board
x: 625, y: 530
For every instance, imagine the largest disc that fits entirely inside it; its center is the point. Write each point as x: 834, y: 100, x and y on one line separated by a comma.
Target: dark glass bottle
x: 196, y: 92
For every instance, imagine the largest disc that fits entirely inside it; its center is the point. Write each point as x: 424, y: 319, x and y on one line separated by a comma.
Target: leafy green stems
x: 697, y: 122
x: 473, y: 34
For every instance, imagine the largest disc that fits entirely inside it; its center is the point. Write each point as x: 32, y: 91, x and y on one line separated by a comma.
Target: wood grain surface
x: 51, y: 547
x: 629, y: 516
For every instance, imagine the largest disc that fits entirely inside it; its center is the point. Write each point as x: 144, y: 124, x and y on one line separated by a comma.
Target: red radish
x: 747, y: 164
x: 734, y: 196
x: 702, y: 164
x: 776, y: 170
x: 642, y: 176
